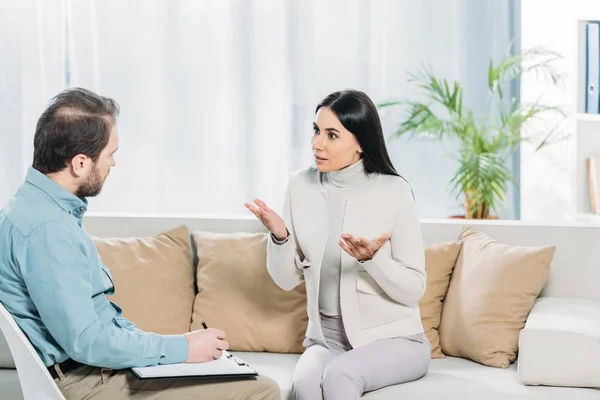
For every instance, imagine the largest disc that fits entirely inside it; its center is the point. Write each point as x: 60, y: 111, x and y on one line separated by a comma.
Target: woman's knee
x: 339, y: 374
x: 306, y: 387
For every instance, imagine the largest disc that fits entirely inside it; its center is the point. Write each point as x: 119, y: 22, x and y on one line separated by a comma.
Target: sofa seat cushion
x: 560, y: 344
x: 448, y: 378
x: 277, y: 366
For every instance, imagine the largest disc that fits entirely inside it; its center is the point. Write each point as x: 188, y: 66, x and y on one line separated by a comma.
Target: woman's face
x: 334, y: 147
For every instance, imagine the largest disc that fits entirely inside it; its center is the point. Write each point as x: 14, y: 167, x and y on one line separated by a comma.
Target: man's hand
x: 362, y: 249
x: 205, y: 345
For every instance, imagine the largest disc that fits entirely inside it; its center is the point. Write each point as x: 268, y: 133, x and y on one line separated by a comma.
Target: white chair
x: 36, y: 381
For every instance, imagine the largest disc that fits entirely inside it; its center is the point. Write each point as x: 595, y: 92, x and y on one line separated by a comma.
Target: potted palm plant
x: 487, y: 139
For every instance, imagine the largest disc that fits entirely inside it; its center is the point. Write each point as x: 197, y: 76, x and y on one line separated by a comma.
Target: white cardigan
x: 379, y: 298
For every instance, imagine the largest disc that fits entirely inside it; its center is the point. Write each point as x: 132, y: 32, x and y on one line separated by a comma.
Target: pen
x: 204, y: 325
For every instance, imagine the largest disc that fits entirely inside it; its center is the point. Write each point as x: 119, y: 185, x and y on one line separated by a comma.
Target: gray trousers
x: 343, y: 373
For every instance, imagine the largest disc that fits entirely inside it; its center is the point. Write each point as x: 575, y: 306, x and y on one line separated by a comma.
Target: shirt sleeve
x: 124, y: 323
x: 58, y: 276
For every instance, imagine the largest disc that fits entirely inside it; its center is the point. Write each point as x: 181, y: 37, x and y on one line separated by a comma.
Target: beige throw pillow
x: 236, y: 294
x: 439, y: 262
x: 154, y: 280
x: 492, y: 291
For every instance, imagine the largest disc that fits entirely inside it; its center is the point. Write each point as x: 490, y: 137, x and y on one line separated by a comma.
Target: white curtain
x: 217, y: 97
x: 31, y: 71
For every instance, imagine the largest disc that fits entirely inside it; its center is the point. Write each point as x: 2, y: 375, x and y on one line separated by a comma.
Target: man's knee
x: 338, y: 375
x: 267, y: 389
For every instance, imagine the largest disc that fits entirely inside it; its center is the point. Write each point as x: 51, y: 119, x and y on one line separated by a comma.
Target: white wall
x: 546, y: 177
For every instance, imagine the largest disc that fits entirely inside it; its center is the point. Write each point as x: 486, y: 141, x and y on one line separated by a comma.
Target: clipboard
x: 228, y: 366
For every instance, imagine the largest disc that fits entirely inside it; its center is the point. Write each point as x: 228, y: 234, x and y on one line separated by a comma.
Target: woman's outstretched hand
x: 362, y: 249
x: 269, y: 218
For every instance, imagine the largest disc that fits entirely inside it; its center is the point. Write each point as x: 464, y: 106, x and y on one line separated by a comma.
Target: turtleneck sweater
x: 338, y: 186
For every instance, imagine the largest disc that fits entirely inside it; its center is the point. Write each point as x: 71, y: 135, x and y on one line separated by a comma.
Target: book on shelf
x: 592, y: 70
x: 593, y: 167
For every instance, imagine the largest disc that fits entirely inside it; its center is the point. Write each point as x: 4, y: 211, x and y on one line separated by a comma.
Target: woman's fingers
x: 382, y: 239
x: 358, y: 252
x: 346, y: 248
x: 269, y: 218
x: 263, y: 216
x: 356, y: 244
x: 262, y: 204
x: 362, y: 243
x: 257, y: 213
x: 361, y: 248
x: 254, y: 211
x: 364, y: 248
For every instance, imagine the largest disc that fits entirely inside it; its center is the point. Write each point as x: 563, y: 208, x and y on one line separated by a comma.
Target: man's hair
x: 77, y: 121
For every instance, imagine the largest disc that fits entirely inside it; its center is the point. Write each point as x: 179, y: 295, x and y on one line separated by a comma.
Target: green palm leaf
x: 486, y: 140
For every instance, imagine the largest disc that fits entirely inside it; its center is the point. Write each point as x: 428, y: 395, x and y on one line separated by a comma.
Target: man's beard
x: 92, y: 186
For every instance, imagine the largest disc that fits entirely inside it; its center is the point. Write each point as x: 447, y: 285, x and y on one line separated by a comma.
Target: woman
x: 364, y: 330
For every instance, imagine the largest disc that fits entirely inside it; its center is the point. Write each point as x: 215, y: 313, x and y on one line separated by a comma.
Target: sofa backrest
x: 575, y: 270
x: 574, y: 273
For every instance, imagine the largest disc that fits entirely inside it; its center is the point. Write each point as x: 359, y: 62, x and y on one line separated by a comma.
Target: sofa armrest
x: 560, y: 344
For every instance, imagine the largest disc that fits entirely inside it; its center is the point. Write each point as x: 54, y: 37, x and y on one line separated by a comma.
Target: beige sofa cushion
x: 492, y: 290
x: 154, y: 280
x: 439, y: 262
x: 236, y: 294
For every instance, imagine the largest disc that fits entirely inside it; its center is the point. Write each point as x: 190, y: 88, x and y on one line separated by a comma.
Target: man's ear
x: 80, y: 164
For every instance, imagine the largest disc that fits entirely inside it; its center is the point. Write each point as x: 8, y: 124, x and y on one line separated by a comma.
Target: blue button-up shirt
x: 54, y: 283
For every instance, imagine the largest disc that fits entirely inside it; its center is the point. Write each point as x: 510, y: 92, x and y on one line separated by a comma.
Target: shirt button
x: 81, y: 209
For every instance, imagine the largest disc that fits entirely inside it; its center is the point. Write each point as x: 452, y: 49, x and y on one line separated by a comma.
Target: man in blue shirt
x: 54, y: 283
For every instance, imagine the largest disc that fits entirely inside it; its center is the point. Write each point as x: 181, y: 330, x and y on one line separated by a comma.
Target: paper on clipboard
x: 227, y: 366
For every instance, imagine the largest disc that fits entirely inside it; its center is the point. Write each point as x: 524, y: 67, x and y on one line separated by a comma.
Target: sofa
x: 549, y: 349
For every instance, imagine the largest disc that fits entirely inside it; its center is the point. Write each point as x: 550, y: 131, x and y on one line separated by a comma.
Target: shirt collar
x: 61, y: 196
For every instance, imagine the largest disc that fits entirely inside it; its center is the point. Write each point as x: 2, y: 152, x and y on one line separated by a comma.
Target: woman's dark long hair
x: 358, y: 114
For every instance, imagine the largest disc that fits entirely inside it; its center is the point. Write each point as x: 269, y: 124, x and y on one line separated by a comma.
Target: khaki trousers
x: 93, y: 383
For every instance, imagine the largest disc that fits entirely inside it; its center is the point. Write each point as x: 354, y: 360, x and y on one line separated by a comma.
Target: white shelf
x: 586, y: 140
x: 588, y: 117
x: 586, y: 217
x: 589, y: 15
